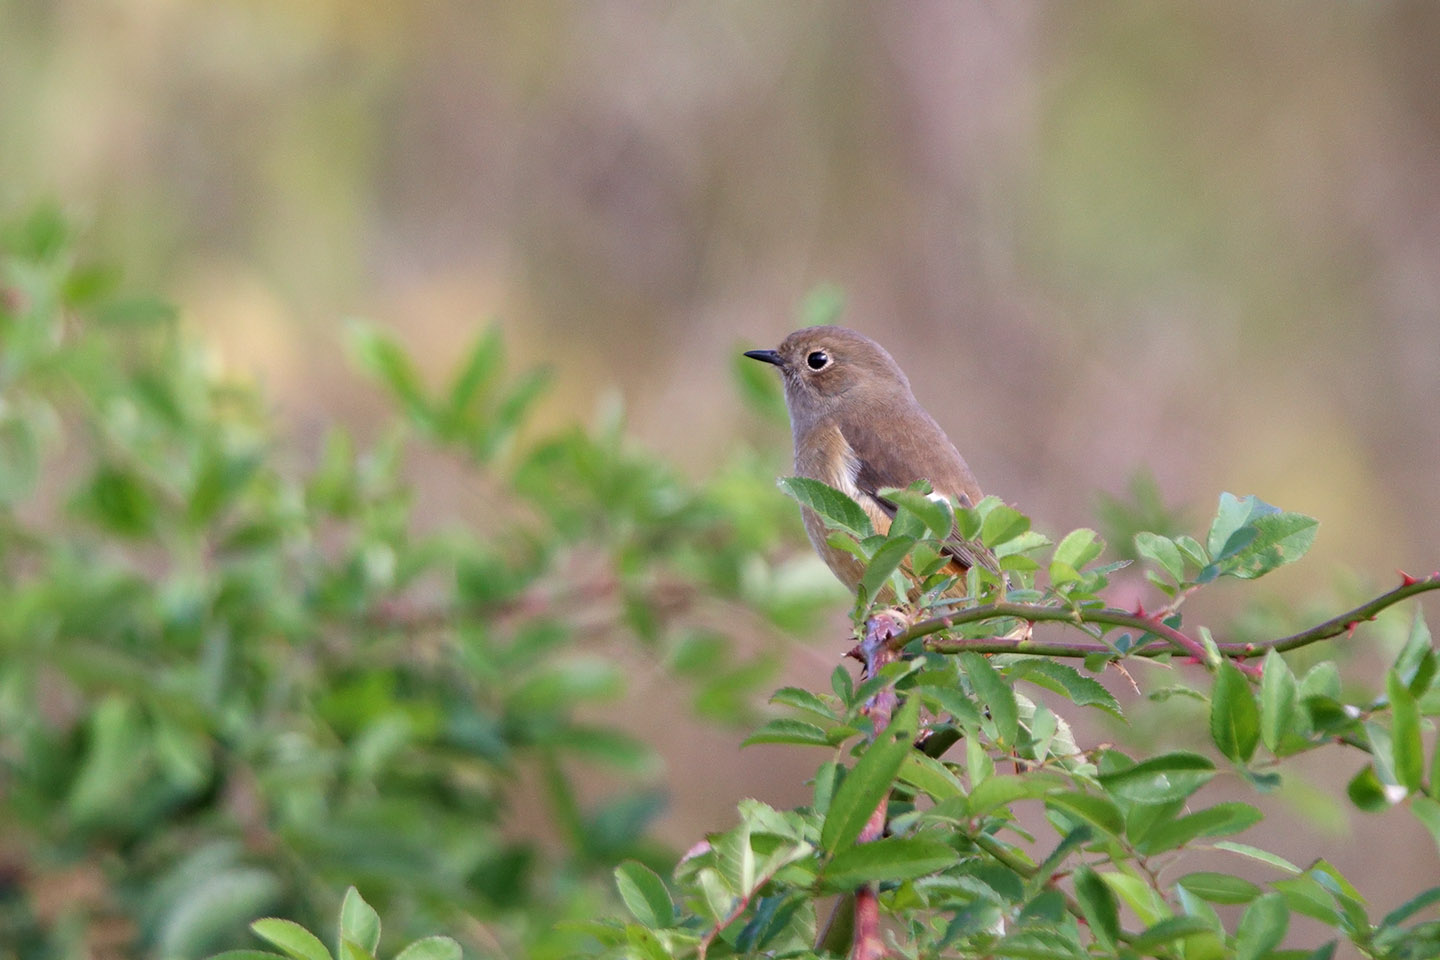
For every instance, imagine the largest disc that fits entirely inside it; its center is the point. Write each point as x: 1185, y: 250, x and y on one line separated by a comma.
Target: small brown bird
x: 858, y: 428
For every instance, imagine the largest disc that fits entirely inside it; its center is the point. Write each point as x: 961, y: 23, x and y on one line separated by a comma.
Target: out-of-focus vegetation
x: 1198, y: 241
x: 230, y: 684
x: 957, y: 812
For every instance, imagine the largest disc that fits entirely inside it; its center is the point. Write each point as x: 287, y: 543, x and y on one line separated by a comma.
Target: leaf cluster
x: 980, y: 745
x: 236, y: 675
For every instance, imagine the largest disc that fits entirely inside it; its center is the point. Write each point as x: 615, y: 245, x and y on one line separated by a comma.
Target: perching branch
x: 1345, y: 622
x: 877, y: 650
x: 1165, y: 639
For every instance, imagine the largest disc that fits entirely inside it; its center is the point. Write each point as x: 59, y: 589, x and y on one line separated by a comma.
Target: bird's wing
x: 900, y: 461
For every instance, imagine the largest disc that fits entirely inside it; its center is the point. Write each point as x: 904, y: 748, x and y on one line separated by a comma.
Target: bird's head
x: 826, y: 367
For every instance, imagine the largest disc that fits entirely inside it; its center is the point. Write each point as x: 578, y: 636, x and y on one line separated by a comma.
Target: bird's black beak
x: 767, y: 356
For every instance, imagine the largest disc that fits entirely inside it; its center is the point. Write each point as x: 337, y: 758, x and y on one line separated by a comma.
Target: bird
x: 857, y: 427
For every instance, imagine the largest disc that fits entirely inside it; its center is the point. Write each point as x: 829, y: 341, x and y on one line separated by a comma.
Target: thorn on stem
x: 1405, y: 579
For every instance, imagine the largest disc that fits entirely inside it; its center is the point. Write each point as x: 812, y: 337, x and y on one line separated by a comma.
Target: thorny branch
x: 876, y: 650
x: 1158, y: 639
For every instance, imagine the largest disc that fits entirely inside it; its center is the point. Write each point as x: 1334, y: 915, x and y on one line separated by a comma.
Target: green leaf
x: 867, y: 784
x: 292, y: 938
x: 952, y: 701
x: 385, y: 360
x: 835, y: 507
x: 788, y: 730
x: 1234, y: 718
x: 1230, y: 518
x: 1219, y: 820
x: 1416, y: 660
x: 1308, y: 898
x: 1280, y: 539
x: 477, y: 374
x: 1033, y: 943
x: 1097, y: 902
x: 1405, y: 743
x: 350, y: 950
x: 511, y: 411
x: 1025, y: 542
x: 1168, y: 931
x: 431, y: 948
x: 735, y: 857
x: 1262, y: 927
x: 1096, y: 810
x: 1162, y: 552
x: 1170, y: 776
x: 1078, y: 548
x: 1366, y: 791
x: 644, y: 894
x: 1138, y: 895
x: 1255, y: 853
x: 1002, y: 523
x: 1279, y: 694
x: 1250, y: 538
x: 1192, y: 550
x: 890, y: 858
x: 996, y: 694
x: 1321, y: 680
x: 42, y: 236
x: 885, y: 562
x: 121, y: 501
x: 359, y: 922
x: 1004, y: 789
x: 1382, y: 758
x: 1351, y: 903
x: 1411, y: 907
x: 247, y: 955
x: 930, y: 776
x: 1071, y: 842
x: 1064, y: 679
x: 802, y: 699
x: 1219, y: 887
x: 935, y: 513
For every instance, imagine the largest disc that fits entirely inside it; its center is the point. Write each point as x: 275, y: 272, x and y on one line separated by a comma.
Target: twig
x: 742, y: 903
x: 1036, y: 613
x: 1168, y: 638
x: 876, y: 650
x: 1409, y: 586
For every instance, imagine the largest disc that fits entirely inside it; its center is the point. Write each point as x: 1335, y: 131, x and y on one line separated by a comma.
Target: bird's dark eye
x: 818, y: 360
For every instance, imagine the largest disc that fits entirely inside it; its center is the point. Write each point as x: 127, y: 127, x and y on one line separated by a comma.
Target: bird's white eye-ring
x: 818, y: 360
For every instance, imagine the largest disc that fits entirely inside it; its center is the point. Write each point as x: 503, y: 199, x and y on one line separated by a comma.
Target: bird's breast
x: 823, y: 454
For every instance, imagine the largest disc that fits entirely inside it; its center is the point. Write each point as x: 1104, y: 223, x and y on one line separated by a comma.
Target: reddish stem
x: 876, y: 650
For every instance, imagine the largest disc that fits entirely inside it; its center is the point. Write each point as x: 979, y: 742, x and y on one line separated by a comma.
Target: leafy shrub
x: 230, y: 686
x: 926, y: 846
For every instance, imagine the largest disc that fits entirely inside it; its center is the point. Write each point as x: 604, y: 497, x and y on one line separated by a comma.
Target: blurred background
x: 1200, y: 242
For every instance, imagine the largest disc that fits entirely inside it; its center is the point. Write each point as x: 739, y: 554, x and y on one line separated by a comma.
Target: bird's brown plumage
x: 858, y: 427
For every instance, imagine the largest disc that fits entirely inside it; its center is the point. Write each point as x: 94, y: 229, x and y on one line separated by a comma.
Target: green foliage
x: 956, y: 872
x: 230, y: 685
x: 357, y: 938
x: 229, y: 688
